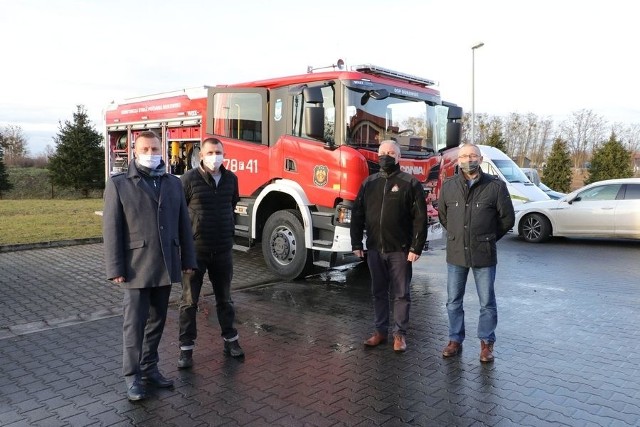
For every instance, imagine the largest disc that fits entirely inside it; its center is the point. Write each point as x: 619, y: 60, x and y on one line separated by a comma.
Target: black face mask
x: 387, y: 163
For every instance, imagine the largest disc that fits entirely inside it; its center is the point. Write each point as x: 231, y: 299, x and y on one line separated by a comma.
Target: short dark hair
x: 148, y: 134
x: 214, y: 141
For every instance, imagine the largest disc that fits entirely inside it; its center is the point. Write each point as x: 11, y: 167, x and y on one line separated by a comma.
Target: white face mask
x: 213, y: 162
x: 150, y: 161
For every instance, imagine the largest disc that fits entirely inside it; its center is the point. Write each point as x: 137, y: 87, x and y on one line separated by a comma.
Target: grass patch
x: 36, y: 221
x: 33, y: 183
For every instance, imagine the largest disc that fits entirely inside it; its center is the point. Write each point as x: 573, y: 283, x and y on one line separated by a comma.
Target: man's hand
x: 188, y: 270
x: 412, y: 257
x: 359, y: 253
x: 119, y: 279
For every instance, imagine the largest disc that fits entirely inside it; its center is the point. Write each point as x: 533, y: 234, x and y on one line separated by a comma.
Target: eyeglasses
x: 469, y: 156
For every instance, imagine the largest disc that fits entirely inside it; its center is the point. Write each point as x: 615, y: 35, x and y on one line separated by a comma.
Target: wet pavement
x: 567, y: 351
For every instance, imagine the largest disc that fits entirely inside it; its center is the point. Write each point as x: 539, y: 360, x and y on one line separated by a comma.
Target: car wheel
x: 535, y: 228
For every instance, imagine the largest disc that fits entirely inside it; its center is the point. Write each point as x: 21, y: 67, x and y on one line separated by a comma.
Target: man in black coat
x: 147, y: 242
x: 391, y: 207
x: 476, y: 210
x: 211, y: 192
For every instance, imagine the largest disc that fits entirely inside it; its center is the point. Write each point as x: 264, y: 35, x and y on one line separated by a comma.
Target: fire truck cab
x: 301, y: 147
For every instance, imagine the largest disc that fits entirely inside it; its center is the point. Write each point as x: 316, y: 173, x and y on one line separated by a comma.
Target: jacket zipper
x: 384, y: 193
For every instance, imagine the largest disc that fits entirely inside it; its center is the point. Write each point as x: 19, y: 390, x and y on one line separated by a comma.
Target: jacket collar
x: 463, y: 180
x: 134, y: 171
x: 134, y: 174
x: 206, y: 175
x: 394, y: 171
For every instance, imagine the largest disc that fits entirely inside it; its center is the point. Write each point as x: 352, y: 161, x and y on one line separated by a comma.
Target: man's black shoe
x: 233, y: 349
x: 156, y: 379
x: 135, y: 391
x: 186, y: 359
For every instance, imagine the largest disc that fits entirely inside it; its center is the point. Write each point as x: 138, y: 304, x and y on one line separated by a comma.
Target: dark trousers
x: 390, y: 280
x: 145, y: 313
x: 220, y: 269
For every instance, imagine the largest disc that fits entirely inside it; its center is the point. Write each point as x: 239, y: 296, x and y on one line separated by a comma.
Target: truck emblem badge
x: 320, y: 175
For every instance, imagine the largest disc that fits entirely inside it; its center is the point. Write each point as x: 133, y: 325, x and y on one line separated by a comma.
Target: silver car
x: 534, y: 177
x: 608, y: 208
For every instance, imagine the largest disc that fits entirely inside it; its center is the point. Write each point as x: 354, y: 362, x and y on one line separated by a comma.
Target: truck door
x: 313, y: 160
x: 238, y: 117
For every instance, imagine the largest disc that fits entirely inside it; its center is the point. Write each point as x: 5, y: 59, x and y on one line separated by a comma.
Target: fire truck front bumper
x: 341, y: 240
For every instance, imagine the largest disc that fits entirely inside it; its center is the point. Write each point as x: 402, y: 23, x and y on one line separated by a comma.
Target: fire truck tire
x: 283, y: 245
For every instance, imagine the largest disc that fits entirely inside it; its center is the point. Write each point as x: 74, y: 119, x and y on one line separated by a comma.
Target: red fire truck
x: 301, y: 147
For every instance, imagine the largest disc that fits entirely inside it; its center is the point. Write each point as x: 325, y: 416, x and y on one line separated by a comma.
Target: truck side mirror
x: 314, y: 122
x: 454, y: 130
x: 454, y: 113
x: 454, y: 127
x: 314, y: 114
x: 313, y: 95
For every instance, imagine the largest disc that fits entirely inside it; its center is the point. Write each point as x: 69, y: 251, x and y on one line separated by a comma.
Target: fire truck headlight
x: 343, y: 215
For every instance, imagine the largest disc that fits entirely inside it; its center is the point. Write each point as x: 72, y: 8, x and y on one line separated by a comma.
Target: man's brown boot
x: 486, y: 352
x: 399, y: 344
x: 376, y: 339
x: 452, y: 349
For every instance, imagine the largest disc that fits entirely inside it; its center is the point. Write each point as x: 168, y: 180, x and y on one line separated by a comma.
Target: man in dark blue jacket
x: 211, y: 191
x: 148, y: 244
x: 476, y: 210
x: 391, y: 207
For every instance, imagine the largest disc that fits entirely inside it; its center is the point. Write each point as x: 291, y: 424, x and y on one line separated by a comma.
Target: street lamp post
x: 473, y: 91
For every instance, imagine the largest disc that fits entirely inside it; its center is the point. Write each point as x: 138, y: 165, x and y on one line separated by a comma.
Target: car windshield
x: 418, y: 126
x: 511, y: 172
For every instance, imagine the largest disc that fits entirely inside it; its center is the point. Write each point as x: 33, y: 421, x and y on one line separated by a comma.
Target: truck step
x: 241, y: 248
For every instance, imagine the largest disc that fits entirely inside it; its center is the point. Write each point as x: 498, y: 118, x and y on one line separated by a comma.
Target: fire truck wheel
x: 283, y: 245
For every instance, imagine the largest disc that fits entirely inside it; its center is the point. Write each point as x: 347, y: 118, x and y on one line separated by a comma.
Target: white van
x: 522, y: 190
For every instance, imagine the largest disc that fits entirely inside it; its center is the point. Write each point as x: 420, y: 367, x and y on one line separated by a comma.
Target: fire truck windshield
x: 418, y: 126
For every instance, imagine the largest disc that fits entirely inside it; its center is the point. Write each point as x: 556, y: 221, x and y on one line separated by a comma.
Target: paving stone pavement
x: 567, y: 352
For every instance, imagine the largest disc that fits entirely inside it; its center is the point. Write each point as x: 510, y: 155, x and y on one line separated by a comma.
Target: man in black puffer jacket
x: 391, y: 207
x: 212, y: 194
x: 476, y: 210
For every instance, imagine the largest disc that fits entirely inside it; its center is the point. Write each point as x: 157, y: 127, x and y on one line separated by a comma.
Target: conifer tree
x: 557, y: 171
x: 496, y: 140
x: 609, y: 161
x: 5, y: 184
x: 79, y: 158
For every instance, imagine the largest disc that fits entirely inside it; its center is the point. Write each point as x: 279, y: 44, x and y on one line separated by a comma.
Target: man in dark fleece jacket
x: 391, y: 207
x: 212, y: 194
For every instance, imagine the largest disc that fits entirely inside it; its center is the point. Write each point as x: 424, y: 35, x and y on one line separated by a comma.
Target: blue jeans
x: 456, y: 284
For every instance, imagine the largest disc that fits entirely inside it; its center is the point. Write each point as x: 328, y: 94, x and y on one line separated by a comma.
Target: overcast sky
x: 547, y: 57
